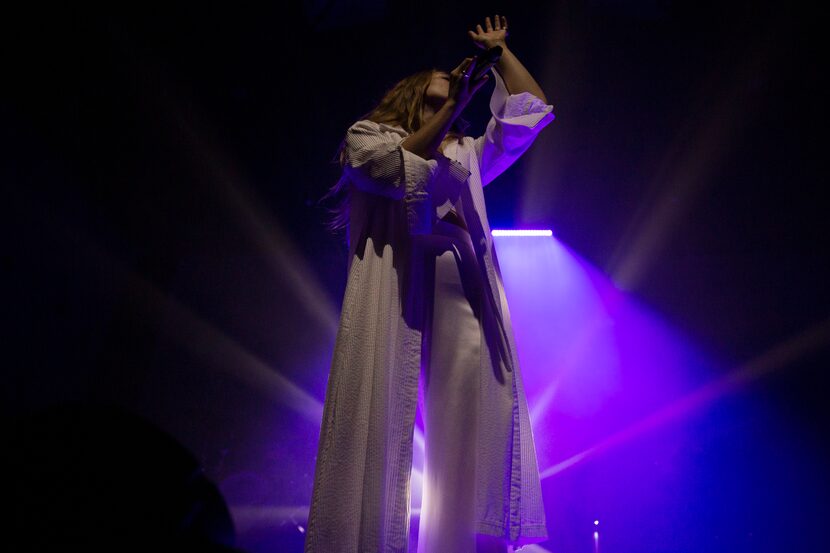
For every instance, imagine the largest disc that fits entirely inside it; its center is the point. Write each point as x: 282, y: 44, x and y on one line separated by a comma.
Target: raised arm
x: 519, y: 107
x: 516, y: 77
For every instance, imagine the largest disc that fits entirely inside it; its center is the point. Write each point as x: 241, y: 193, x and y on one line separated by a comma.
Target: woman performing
x: 425, y: 318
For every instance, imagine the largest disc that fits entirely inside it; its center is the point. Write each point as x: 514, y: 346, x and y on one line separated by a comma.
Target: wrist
x: 501, y: 43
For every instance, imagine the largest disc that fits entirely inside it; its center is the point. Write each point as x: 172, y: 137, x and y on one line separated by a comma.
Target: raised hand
x: 491, y: 35
x: 462, y: 82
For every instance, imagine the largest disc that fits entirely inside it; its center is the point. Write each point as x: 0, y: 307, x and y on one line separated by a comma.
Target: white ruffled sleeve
x: 517, y: 120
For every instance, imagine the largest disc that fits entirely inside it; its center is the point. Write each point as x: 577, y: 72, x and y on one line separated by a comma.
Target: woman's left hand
x: 492, y: 35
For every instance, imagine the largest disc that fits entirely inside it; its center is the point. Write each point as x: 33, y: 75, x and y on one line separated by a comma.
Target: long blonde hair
x: 401, y: 105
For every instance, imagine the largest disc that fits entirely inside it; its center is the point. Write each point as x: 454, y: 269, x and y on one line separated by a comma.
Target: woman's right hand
x: 462, y: 86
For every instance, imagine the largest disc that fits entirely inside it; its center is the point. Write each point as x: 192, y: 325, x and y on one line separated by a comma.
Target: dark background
x: 129, y: 134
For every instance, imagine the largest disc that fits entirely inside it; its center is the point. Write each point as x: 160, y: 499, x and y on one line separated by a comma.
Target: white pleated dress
x: 449, y: 398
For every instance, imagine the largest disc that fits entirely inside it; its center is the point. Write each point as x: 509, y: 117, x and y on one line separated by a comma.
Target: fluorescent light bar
x: 521, y: 232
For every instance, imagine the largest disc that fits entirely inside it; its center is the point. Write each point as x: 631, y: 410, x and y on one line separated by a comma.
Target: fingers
x: 462, y: 66
x: 463, y: 73
x: 498, y: 24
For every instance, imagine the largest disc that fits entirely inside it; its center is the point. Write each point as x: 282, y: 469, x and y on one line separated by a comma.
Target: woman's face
x: 439, y: 89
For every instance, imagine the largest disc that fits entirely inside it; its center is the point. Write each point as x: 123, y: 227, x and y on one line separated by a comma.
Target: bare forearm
x: 516, y: 77
x: 426, y: 140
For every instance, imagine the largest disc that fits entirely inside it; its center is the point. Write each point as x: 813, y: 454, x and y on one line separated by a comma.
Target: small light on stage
x: 596, y: 523
x: 521, y: 232
x: 301, y: 529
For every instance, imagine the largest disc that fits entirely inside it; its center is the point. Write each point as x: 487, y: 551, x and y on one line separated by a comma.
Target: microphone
x: 491, y: 55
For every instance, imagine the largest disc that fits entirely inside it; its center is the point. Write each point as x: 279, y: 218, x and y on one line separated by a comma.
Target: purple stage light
x: 593, y: 359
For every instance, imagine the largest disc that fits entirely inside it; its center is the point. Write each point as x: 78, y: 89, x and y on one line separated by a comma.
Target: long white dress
x: 451, y: 381
x: 361, y: 495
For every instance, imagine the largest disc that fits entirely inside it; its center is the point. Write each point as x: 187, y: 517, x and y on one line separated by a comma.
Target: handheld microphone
x: 491, y: 55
